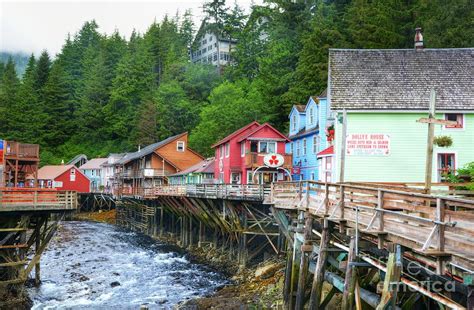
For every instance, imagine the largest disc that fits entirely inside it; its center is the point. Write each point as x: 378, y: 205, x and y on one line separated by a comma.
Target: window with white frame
x: 315, y: 144
x: 249, y: 177
x: 294, y: 122
x: 242, y: 149
x: 267, y: 147
x: 304, y: 147
x: 455, y: 117
x: 180, y: 146
x: 298, y: 148
x: 227, y: 149
x: 311, y: 116
x: 221, y: 151
x: 291, y: 147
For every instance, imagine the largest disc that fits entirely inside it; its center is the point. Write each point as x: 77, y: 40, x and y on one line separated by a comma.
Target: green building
x: 384, y: 93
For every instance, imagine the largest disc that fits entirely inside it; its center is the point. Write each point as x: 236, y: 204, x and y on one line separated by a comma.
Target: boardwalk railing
x: 23, y: 199
x: 255, y: 192
x: 21, y: 150
x: 431, y: 225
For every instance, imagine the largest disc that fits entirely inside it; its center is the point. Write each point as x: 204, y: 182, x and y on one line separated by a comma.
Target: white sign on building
x: 371, y: 144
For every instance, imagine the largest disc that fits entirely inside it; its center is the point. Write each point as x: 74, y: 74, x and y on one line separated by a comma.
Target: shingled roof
x: 146, y: 150
x: 401, y: 79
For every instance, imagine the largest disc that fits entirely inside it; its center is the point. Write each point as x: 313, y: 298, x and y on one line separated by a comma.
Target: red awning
x: 326, y: 152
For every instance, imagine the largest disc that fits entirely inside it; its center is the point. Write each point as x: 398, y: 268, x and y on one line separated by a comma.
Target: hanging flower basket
x: 330, y: 133
x: 443, y: 141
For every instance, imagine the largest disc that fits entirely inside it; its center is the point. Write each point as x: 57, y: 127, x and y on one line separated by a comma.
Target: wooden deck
x: 433, y: 226
x: 34, y: 199
x: 249, y: 192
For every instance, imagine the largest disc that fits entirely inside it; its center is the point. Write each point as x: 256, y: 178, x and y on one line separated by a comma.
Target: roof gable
x: 51, y: 172
x: 147, y: 150
x: 259, y: 128
x: 94, y: 163
x: 401, y: 79
x: 236, y: 133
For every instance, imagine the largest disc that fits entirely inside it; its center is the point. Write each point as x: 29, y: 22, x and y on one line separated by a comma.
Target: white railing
x: 223, y: 191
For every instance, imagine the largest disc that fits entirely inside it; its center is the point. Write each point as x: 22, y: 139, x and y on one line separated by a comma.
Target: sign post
x: 431, y: 121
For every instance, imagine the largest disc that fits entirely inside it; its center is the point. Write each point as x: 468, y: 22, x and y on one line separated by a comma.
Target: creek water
x: 99, y: 266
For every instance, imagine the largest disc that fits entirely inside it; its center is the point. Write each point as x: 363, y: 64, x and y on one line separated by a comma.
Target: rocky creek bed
x: 91, y: 265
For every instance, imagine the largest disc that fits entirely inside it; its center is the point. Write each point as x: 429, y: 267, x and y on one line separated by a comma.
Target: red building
x: 240, y: 156
x: 63, y: 177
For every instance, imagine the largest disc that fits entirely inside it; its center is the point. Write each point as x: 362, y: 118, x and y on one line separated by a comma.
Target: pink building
x: 240, y: 156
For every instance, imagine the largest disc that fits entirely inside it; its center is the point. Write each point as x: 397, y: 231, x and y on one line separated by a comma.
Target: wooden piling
x: 350, y: 278
x: 316, y: 290
x: 306, y: 250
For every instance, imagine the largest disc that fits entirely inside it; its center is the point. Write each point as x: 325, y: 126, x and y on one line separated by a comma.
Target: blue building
x: 93, y: 169
x: 307, y: 133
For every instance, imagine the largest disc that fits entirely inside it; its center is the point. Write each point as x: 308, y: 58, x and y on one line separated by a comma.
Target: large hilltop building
x: 209, y: 48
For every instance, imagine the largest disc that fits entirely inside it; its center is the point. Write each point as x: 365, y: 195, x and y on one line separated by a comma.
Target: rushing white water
x: 96, y: 266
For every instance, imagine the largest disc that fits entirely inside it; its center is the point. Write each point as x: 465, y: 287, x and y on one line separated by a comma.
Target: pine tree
x: 30, y: 122
x: 59, y: 125
x: 311, y: 72
x: 8, y: 100
x: 42, y: 72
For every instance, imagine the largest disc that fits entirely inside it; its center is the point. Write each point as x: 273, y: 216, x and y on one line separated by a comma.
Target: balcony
x: 21, y: 151
x: 143, y: 173
x: 254, y: 160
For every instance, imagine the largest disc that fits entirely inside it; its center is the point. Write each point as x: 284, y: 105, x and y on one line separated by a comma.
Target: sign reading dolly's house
x: 373, y: 144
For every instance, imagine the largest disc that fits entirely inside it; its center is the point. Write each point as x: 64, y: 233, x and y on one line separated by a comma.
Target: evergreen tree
x: 42, y: 72
x: 311, y: 72
x: 29, y: 128
x: 59, y: 122
x: 9, y: 100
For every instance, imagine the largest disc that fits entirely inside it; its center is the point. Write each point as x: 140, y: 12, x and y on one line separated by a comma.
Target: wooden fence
x: 437, y: 226
x: 25, y: 199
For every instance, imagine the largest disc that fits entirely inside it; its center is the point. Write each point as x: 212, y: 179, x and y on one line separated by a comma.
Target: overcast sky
x: 34, y: 25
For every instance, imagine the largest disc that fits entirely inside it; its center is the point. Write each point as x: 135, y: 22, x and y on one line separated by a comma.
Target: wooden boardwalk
x: 36, y: 199
x: 436, y: 231
x: 352, y: 236
x: 26, y: 227
x: 250, y: 192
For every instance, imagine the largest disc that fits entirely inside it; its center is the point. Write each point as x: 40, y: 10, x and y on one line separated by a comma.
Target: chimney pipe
x: 139, y: 148
x: 418, y: 39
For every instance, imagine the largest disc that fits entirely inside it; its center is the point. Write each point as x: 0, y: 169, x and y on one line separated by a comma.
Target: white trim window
x: 291, y: 147
x: 227, y: 149
x: 221, y: 151
x: 249, y: 177
x: 180, y: 145
x: 298, y: 148
x: 315, y: 144
x: 311, y: 116
x: 294, y: 123
x: 456, y: 117
x: 267, y: 147
x: 304, y: 147
x: 242, y: 149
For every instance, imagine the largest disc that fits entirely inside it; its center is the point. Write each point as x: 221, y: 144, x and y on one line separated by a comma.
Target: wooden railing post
x: 380, y: 205
x: 307, y: 196
x: 342, y: 197
x: 440, y: 217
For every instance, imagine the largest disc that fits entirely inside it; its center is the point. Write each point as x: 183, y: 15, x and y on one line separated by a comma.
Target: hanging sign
x: 372, y: 144
x: 296, y: 170
x: 273, y: 160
